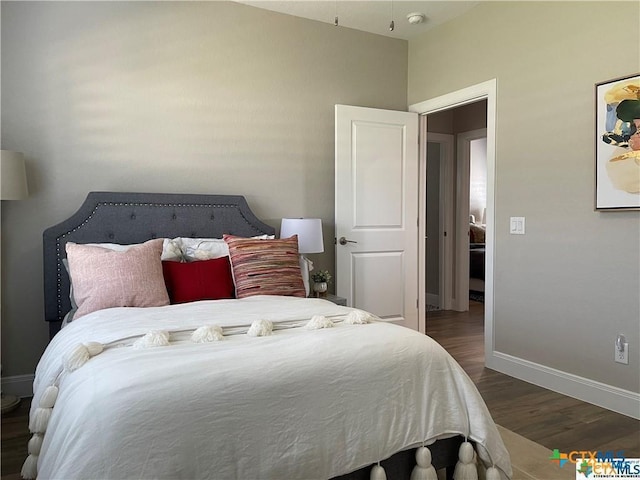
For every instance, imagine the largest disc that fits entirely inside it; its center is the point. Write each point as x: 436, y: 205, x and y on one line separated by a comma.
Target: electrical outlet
x: 622, y: 356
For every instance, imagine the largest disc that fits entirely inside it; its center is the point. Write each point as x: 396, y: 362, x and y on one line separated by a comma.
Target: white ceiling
x: 371, y: 15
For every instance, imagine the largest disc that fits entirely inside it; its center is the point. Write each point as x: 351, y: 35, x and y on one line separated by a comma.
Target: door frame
x: 446, y: 142
x: 463, y: 179
x: 488, y: 91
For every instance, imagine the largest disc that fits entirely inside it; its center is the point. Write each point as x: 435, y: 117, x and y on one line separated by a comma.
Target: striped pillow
x: 265, y: 267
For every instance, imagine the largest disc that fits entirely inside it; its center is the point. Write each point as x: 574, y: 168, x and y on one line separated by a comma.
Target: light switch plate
x: 516, y: 226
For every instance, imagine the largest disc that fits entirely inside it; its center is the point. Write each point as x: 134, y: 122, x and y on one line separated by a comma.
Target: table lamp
x: 309, y: 231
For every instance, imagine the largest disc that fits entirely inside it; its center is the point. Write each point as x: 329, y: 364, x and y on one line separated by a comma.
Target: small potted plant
x: 321, y: 280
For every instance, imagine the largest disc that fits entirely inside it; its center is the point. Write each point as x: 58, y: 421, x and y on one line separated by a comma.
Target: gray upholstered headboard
x: 126, y: 218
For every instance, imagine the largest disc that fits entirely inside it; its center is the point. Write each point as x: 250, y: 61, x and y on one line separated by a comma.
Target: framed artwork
x: 618, y: 144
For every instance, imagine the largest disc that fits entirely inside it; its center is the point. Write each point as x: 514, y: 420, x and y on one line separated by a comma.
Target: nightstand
x: 335, y: 299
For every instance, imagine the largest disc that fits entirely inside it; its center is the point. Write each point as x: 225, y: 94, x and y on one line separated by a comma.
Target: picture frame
x: 617, y: 144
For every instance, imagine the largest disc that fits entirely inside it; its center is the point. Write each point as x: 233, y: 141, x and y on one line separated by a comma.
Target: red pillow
x: 200, y: 280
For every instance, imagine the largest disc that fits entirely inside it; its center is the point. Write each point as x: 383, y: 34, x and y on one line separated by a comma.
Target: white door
x: 376, y: 212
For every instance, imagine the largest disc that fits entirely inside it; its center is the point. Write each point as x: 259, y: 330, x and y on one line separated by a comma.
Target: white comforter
x: 299, y: 404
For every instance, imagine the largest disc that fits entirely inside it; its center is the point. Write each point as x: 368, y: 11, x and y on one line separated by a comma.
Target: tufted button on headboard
x: 126, y: 218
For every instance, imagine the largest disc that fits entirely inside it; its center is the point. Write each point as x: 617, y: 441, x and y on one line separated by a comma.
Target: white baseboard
x: 18, y: 385
x: 590, y: 391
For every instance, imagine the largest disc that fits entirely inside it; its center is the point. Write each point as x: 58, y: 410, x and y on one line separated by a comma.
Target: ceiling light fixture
x: 335, y: 20
x: 416, y: 18
x: 392, y: 25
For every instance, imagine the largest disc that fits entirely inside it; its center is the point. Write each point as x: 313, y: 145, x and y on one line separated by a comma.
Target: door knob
x: 344, y: 241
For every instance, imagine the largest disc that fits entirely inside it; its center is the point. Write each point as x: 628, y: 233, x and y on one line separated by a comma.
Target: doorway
x: 471, y: 176
x: 487, y: 92
x: 455, y: 206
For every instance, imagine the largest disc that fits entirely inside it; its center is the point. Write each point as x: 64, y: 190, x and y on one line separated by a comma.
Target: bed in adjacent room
x: 190, y: 351
x: 477, y: 235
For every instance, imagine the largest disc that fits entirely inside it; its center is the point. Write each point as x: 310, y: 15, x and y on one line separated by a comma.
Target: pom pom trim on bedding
x: 82, y: 353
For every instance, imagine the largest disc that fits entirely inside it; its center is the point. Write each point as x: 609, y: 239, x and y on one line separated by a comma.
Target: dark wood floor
x: 15, y: 435
x: 546, y: 417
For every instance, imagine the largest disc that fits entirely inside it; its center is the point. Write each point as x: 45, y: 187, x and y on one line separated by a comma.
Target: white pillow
x: 170, y: 248
x: 191, y: 249
x: 203, y: 248
x: 183, y: 249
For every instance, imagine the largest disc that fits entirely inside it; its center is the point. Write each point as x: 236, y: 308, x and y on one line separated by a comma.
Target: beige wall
x: 203, y: 97
x: 563, y: 290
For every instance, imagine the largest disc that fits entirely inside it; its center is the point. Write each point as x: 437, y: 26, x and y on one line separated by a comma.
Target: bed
x: 265, y: 386
x: 476, y: 260
x: 476, y: 251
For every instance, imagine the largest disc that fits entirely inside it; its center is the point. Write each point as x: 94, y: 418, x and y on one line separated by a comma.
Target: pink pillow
x: 199, y: 280
x: 265, y: 267
x: 104, y: 278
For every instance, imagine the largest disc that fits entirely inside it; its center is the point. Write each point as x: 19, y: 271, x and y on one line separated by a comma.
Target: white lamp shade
x: 13, y: 176
x: 309, y: 231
